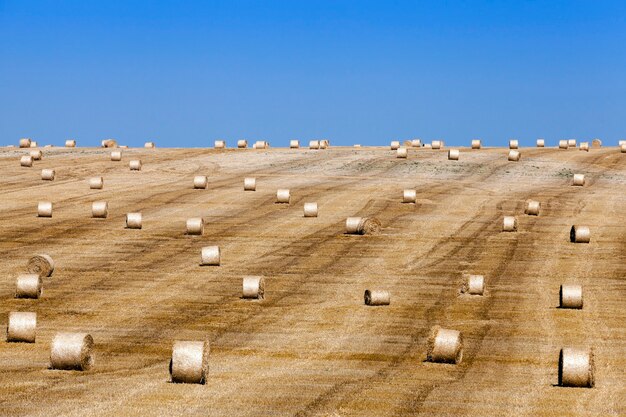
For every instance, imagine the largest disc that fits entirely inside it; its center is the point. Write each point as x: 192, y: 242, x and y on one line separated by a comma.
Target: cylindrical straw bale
x: 621, y: 142
x: 33, y: 144
x: 25, y: 143
x: 22, y: 327
x: 135, y: 165
x: 409, y: 196
x: 72, y: 351
x: 70, y: 143
x: 283, y: 196
x: 571, y: 296
x: 36, y: 154
x: 563, y: 144
x: 623, y: 148
x: 324, y: 144
x: 416, y: 143
x: 294, y: 144
x: 99, y: 209
x: 190, y: 362
x: 254, y: 287
x: 436, y: 144
x: 571, y: 143
x: 44, y: 209
x: 314, y: 144
x: 576, y: 368
x: 220, y: 144
x: 109, y: 143
x: 513, y: 144
x: 579, y: 180
x: 210, y: 256
x: 200, y: 182
x: 41, y: 264
x: 579, y: 234
x: 596, y: 143
x: 249, y: 184
x: 377, y: 298
x: 96, y: 183
x: 357, y: 145
x: 47, y: 174
x: 453, y: 155
x: 133, y: 220
x: 395, y: 144
x: 28, y: 286
x: 242, y: 143
x: 476, y: 144
x: 584, y: 146
x: 509, y: 224
x: 514, y: 155
x: 541, y: 143
x: 261, y: 144
x: 445, y: 346
x: 149, y: 145
x: 310, y: 209
x: 401, y: 152
x: 26, y: 161
x: 116, y: 155
x: 362, y: 225
x: 532, y: 207
x: 474, y: 285
x: 195, y: 226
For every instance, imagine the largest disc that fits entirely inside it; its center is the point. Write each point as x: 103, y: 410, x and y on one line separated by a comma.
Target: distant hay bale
x: 249, y: 184
x: 254, y: 287
x: 476, y: 144
x: 116, y: 155
x: 541, y: 143
x: 571, y: 296
x: 357, y: 145
x: 36, y: 155
x: 28, y: 286
x: 563, y: 144
x: 210, y: 256
x: 579, y: 180
x: 453, y: 155
x: 576, y: 368
x: 324, y: 144
x: 596, y: 143
x: 109, y: 143
x: 72, y: 351
x: 473, y: 285
x: 579, y: 234
x: 571, y: 143
x: 47, y: 174
x: 514, y: 155
x: 44, y: 209
x: 621, y: 142
x: 283, y: 196
x: 362, y: 225
x: 99, y: 209
x: 584, y: 146
x: 395, y: 144
x: 409, y: 196
x: 220, y: 144
x: 200, y: 182
x: 25, y: 143
x: 135, y: 165
x: 70, y: 143
x: 294, y: 144
x: 149, y: 145
x: 509, y: 224
x: 436, y: 144
x: 96, y: 183
x: 133, y: 220
x: 33, y: 144
x: 623, y: 148
x: 261, y: 144
x: 402, y: 152
x: 532, y: 208
x: 195, y: 226
x: 190, y: 362
x: 26, y: 161
x: 242, y: 143
x: 513, y: 144
x: 416, y: 143
x: 310, y: 209
x: 22, y: 327
x: 124, y: 146
x: 445, y: 346
x: 377, y: 298
x: 314, y: 144
x: 41, y: 264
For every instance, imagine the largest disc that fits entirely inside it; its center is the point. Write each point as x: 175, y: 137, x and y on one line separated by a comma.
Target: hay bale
x: 294, y: 144
x: 47, y: 174
x: 116, y: 155
x: 416, y: 143
x: 571, y: 143
x: 436, y: 144
x: 532, y: 208
x: 584, y: 146
x: 22, y: 327
x: 242, y: 143
x: 261, y: 144
x: 513, y: 144
x: 135, y: 165
x: 124, y: 146
x: 476, y: 144
x: 445, y: 346
x: 623, y: 148
x: 99, y: 209
x: 36, y: 155
x: 28, y: 286
x: 220, y: 144
x: 314, y: 144
x: 96, y: 183
x: 133, y: 220
x: 621, y: 142
x: 453, y: 155
x: 283, y: 196
x: 377, y: 298
x: 514, y: 155
x: 571, y: 296
x: 109, y: 143
x: 26, y: 161
x: 356, y: 145
x: 44, y: 209
x: 596, y: 143
x: 541, y: 143
x: 409, y: 196
x: 395, y: 144
x: 509, y: 224
x: 41, y: 264
x: 70, y: 143
x: 72, y: 351
x: 210, y: 256
x: 249, y: 184
x: 310, y: 209
x: 579, y: 234
x: 25, y: 143
x: 576, y: 368
x: 149, y: 145
x: 563, y: 144
x: 324, y: 144
x: 190, y: 362
x: 200, y: 182
x: 254, y: 287
x: 473, y: 285
x: 402, y: 152
x: 195, y: 226
x: 33, y: 144
x: 579, y: 180
x: 362, y: 225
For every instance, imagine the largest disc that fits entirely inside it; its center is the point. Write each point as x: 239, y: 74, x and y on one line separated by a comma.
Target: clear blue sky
x: 187, y: 73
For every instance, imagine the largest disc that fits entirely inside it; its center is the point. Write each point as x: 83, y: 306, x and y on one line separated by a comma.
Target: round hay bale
x: 402, y: 152
x: 362, y: 225
x: 541, y: 143
x: 220, y: 144
x: 135, y: 165
x: 36, y: 154
x: 242, y: 143
x: 596, y: 143
x: 453, y: 155
x: 249, y: 184
x: 579, y: 234
x: 445, y: 346
x: 72, y: 351
x: 26, y: 161
x: 261, y: 144
x: 395, y: 144
x: 416, y: 143
x: 509, y: 224
x: 409, y: 196
x: 476, y: 144
x: 314, y: 144
x: 195, y: 226
x: 70, y: 143
x: 28, y: 286
x: 571, y: 143
x: 514, y: 155
x: 116, y: 155
x: 532, y: 208
x: 190, y: 362
x: 621, y: 142
x: 356, y: 145
x: 44, y: 209
x: 563, y: 144
x: 41, y: 264
x: 310, y: 209
x: 377, y: 298
x: 584, y: 146
x: 200, y: 182
x: 283, y: 196
x: 324, y: 144
x: 579, y: 180
x: 47, y: 174
x: 513, y: 144
x: 22, y: 327
x: 149, y: 145
x: 133, y: 220
x: 294, y: 144
x: 210, y: 256
x: 33, y: 144
x: 576, y: 368
x: 96, y: 183
x: 436, y: 144
x: 254, y: 287
x: 571, y: 296
x: 623, y: 148
x: 109, y: 143
x: 99, y: 209
x: 474, y: 285
x: 25, y: 143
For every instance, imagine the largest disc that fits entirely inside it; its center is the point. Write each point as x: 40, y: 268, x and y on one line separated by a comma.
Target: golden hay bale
x: 72, y: 351
x: 409, y: 196
x: 314, y: 144
x: 310, y: 209
x: 254, y: 287
x: 261, y: 144
x: 324, y: 144
x: 356, y: 145
x: 47, y: 174
x: 190, y: 362
x: 28, y: 286
x: 99, y: 209
x: 25, y: 143
x: 621, y: 142
x: 135, y: 165
x: 116, y: 156
x: 453, y: 155
x: 220, y: 144
x: 283, y: 196
x: 541, y: 143
x: 584, y: 146
x: 44, y: 209
x: 623, y: 148
x: 195, y: 226
x: 476, y: 144
x: 200, y: 182
x: 514, y: 155
x: 563, y: 144
x: 33, y: 144
x: 596, y: 143
x: 41, y: 264
x: 513, y: 144
x: 571, y: 143
x: 416, y: 143
x: 395, y: 144
x: 444, y: 346
x: 96, y: 183
x: 402, y: 152
x: 149, y: 145
x: 36, y: 155
x: 571, y: 296
x: 377, y: 298
x: 294, y: 144
x: 249, y: 184
x: 474, y: 285
x: 576, y: 368
x: 26, y: 161
x: 22, y: 327
x: 242, y: 143
x: 532, y: 208
x: 70, y: 143
x: 579, y: 180
x: 109, y: 143
x: 362, y: 225
x: 210, y: 256
x: 436, y: 144
x: 509, y: 224
x: 133, y: 220
x: 579, y: 234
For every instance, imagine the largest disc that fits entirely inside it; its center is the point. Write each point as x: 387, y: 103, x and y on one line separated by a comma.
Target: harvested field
x: 311, y: 347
